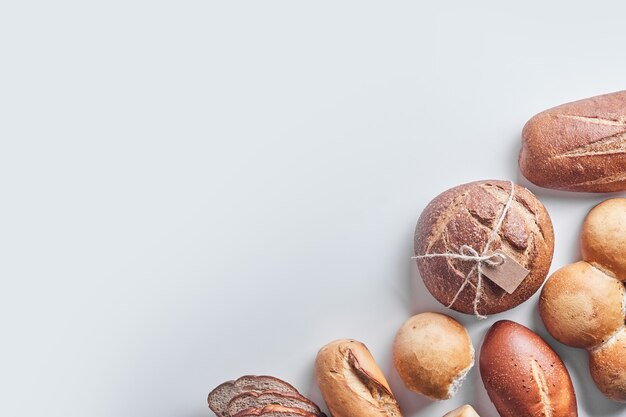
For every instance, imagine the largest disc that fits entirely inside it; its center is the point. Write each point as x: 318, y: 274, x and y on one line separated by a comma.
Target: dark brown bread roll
x: 466, y: 215
x: 579, y: 146
x: 523, y: 375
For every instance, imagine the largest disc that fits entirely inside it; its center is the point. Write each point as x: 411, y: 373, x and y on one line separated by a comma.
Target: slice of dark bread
x: 220, y: 396
x: 251, y: 399
x: 274, y: 411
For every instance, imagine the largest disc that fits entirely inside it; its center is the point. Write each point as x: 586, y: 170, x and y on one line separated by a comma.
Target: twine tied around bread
x: 467, y: 253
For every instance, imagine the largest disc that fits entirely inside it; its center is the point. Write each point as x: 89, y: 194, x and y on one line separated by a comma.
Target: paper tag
x: 508, y: 275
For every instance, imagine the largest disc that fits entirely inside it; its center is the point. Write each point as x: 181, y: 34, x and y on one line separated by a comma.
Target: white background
x: 192, y: 190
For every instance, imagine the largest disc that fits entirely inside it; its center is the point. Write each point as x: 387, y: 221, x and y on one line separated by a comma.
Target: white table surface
x: 193, y: 190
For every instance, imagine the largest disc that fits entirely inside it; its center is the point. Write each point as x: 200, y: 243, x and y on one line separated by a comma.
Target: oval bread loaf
x: 351, y: 382
x: 523, y: 375
x: 583, y: 305
x: 433, y: 353
x: 579, y: 146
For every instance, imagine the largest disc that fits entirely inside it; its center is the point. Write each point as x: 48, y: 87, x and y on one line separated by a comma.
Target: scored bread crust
x: 351, y: 382
x: 221, y: 395
x: 466, y: 215
x: 523, y: 375
x: 251, y: 399
x: 274, y: 411
x: 579, y: 146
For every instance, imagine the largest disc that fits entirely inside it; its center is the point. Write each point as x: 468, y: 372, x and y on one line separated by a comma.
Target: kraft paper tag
x: 508, y: 275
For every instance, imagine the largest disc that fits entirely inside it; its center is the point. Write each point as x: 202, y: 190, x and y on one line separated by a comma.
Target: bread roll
x: 523, y: 375
x: 433, y: 353
x: 351, y: 382
x: 581, y: 306
x: 578, y: 146
x: 466, y: 215
x: 603, y: 237
x: 463, y: 411
x: 584, y: 305
x: 608, y: 367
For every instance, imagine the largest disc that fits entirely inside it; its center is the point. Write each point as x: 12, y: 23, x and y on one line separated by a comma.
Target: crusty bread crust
x: 579, y: 146
x: 523, y: 375
x: 465, y: 215
x: 351, y: 382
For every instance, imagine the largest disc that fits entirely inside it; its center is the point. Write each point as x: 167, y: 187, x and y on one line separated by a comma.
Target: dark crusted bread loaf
x: 274, y: 411
x: 253, y: 399
x: 579, y: 146
x: 466, y: 215
x: 523, y: 375
x: 220, y: 396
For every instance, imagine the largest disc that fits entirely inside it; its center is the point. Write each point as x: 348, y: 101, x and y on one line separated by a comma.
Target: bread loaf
x: 583, y: 304
x: 433, y: 353
x: 578, y: 146
x: 351, y: 382
x: 467, y: 215
x: 523, y: 375
x: 463, y: 411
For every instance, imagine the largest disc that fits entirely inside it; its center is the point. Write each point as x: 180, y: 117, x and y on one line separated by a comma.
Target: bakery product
x: 579, y: 146
x: 253, y: 399
x: 523, y: 375
x: 433, y: 353
x: 274, y: 411
x: 351, y: 382
x: 220, y: 396
x: 467, y: 215
x: 252, y: 393
x: 583, y: 305
x: 463, y: 411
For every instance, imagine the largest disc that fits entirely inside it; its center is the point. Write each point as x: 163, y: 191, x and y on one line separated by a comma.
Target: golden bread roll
x: 433, y: 353
x: 584, y: 305
x: 351, y: 382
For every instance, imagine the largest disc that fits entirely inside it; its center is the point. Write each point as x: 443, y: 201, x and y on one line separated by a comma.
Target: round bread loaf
x: 467, y: 215
x: 351, y: 382
x: 433, y: 353
x: 584, y: 305
x: 523, y: 375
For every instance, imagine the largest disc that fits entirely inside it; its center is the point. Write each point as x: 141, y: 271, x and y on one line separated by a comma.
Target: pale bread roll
x: 608, y: 367
x: 581, y: 306
x: 351, y: 382
x: 433, y: 353
x: 463, y: 411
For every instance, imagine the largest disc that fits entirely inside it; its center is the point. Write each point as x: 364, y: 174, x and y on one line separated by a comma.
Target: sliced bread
x: 251, y: 399
x: 274, y: 411
x: 220, y: 397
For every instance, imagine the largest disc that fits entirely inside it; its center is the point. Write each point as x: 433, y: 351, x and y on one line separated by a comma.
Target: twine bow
x: 467, y: 253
